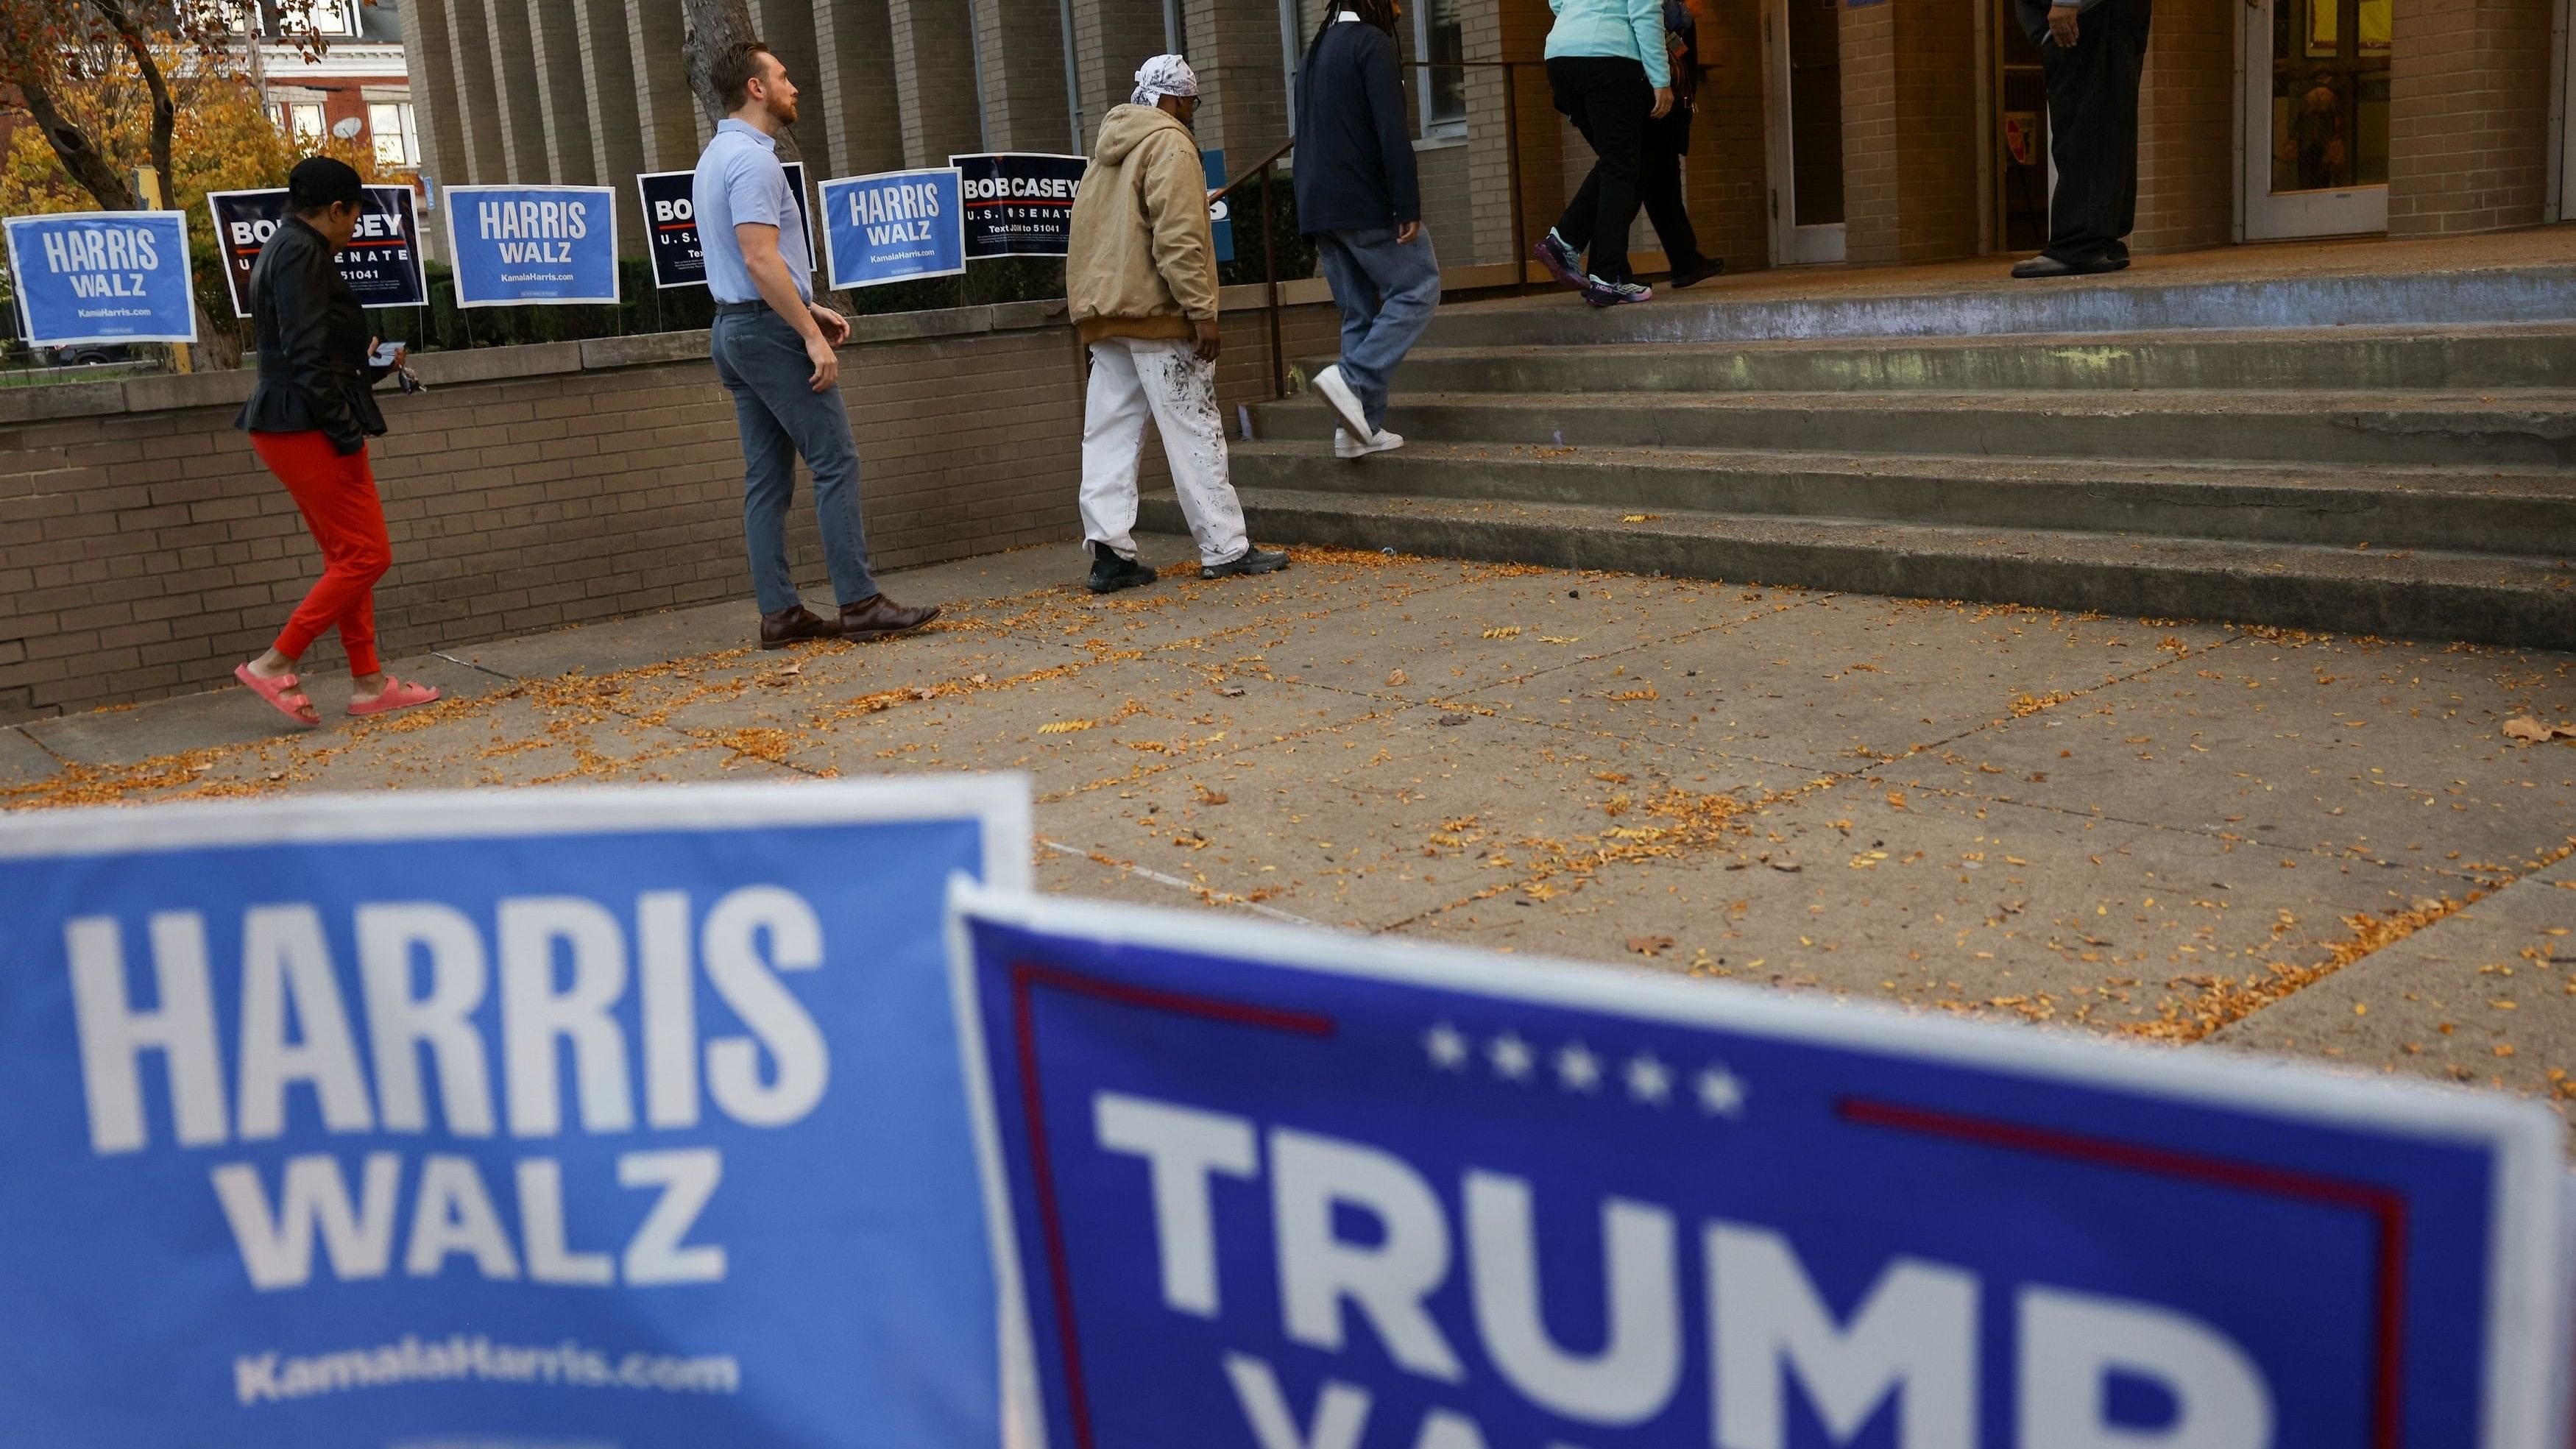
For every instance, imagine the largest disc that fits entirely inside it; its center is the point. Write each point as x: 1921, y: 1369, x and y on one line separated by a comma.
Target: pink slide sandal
x: 280, y: 692
x: 399, y: 694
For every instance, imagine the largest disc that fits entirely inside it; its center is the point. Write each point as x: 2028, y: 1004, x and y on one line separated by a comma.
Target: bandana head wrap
x: 1164, y: 75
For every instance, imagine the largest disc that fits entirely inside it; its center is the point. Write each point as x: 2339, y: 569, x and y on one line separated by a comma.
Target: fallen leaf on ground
x: 1650, y: 945
x: 2534, y: 732
x: 1211, y: 797
x: 1066, y: 726
x: 1396, y: 678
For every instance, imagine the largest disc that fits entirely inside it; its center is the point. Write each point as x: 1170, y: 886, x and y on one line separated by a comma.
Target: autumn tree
x: 69, y: 60
x: 223, y: 141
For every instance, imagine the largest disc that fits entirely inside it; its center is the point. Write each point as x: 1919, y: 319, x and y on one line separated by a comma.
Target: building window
x: 397, y: 133
x: 327, y: 17
x: 300, y: 119
x: 1439, y: 37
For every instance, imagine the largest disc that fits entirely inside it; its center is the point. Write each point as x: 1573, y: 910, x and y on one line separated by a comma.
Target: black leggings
x: 1608, y: 100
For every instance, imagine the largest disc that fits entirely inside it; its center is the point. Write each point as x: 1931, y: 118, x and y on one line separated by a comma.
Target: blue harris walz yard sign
x: 533, y: 245
x: 578, y: 1117
x: 894, y: 227
x: 103, y: 276
x: 1274, y: 1190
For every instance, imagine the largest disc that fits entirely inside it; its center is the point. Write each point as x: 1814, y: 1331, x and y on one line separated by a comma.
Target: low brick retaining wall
x: 144, y: 551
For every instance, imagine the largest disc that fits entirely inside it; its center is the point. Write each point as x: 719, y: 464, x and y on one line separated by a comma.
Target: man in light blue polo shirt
x: 773, y: 349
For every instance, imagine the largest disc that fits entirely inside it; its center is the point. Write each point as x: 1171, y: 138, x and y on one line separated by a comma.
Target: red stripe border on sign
x: 2386, y: 1207
x: 1025, y: 978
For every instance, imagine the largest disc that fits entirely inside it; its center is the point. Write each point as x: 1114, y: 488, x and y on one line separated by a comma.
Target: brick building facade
x: 1858, y: 130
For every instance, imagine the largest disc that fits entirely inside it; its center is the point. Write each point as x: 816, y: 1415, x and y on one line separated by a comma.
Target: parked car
x: 86, y: 354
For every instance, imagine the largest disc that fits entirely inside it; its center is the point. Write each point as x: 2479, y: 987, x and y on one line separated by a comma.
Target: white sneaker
x: 1345, y: 403
x: 1384, y: 442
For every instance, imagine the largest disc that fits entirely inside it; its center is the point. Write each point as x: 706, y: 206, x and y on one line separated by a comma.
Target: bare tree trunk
x: 707, y: 27
x: 72, y: 147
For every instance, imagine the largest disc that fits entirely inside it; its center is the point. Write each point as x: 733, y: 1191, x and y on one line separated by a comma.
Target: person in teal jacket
x: 1608, y: 69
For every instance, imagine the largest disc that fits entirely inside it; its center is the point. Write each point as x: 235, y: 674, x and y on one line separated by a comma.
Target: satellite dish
x: 348, y: 129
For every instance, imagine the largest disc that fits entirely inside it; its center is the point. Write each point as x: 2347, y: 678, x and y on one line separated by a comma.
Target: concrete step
x: 1853, y: 308
x: 2341, y: 358
x: 2468, y: 511
x: 2498, y: 429
x: 2428, y: 595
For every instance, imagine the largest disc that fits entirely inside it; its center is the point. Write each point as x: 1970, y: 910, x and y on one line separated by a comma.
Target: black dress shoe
x: 795, y: 626
x: 1692, y: 276
x: 2045, y: 265
x: 878, y: 617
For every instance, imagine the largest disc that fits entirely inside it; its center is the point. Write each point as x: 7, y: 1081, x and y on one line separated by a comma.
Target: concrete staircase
x: 2400, y: 460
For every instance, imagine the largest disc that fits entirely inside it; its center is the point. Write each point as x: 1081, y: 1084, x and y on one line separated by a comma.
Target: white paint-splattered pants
x: 1133, y: 378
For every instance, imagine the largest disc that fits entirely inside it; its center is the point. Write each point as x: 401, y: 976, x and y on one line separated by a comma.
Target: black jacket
x: 312, y: 341
x: 1354, y: 147
x: 1677, y: 122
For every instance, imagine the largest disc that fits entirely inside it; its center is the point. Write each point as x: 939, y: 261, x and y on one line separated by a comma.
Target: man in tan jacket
x: 1140, y: 277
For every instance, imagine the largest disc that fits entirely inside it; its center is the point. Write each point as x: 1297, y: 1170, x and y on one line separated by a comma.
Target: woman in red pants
x: 309, y: 418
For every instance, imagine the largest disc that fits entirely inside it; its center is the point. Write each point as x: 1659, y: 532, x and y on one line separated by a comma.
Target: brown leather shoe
x: 878, y: 617
x: 795, y: 626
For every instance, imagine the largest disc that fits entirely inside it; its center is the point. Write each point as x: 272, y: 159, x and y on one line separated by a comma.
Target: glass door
x: 1804, y: 70
x: 2022, y: 174
x: 2316, y: 117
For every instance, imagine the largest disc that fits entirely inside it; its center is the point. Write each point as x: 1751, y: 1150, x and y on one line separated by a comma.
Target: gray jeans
x: 1386, y: 294
x: 763, y: 364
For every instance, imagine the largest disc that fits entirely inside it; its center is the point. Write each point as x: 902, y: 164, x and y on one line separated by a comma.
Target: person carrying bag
x: 309, y: 418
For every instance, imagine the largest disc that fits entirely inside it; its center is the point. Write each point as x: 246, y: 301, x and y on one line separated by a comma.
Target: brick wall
x: 933, y: 58
x: 1022, y: 50
x: 2187, y: 128
x: 609, y: 88
x: 1910, y: 136
x: 144, y: 551
x: 563, y: 103
x: 1726, y: 178
x: 2468, y: 116
x: 1110, y: 39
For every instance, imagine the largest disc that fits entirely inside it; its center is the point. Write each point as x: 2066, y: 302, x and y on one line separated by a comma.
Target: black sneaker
x: 1110, y: 573
x: 1250, y: 561
x: 1693, y: 276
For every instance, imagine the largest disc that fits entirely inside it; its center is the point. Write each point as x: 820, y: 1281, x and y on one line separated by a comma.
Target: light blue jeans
x: 763, y: 364
x: 1386, y: 294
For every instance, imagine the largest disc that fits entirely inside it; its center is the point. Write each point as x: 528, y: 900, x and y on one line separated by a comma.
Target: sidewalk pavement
x: 2162, y: 831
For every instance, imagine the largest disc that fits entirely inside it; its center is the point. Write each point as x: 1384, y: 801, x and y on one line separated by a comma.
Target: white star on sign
x: 1448, y: 1049
x: 1510, y: 1056
x: 1577, y: 1069
x: 1721, y: 1092
x: 1649, y: 1080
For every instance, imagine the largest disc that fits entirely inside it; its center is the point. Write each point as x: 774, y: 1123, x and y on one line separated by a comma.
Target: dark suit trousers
x: 1660, y: 186
x: 2093, y: 130
x: 1607, y: 99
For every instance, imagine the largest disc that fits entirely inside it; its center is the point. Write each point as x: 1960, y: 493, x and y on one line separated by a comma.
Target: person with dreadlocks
x: 1359, y: 198
x: 1140, y: 281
